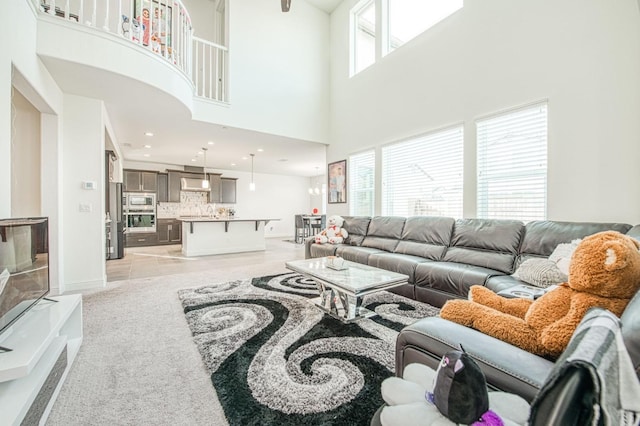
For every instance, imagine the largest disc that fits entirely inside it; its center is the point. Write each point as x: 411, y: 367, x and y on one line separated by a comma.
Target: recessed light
x: 148, y: 134
x: 244, y: 158
x: 260, y: 150
x: 233, y: 164
x: 147, y: 146
x: 211, y: 143
x: 193, y: 159
x: 147, y: 155
x: 200, y: 152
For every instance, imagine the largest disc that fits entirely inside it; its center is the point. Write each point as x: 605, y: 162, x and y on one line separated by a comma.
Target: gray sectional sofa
x: 444, y: 257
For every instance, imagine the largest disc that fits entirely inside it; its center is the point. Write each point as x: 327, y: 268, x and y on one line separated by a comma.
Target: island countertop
x: 209, y: 235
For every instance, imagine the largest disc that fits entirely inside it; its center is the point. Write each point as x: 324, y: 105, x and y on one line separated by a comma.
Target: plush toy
x: 455, y: 394
x: 604, y: 271
x: 334, y: 233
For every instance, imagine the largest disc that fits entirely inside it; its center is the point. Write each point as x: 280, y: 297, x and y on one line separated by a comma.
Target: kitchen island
x: 202, y: 236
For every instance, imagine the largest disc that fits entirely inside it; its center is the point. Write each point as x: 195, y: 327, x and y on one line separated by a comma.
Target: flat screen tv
x: 24, y: 266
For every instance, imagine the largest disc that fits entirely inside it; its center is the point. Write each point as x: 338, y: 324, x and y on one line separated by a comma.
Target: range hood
x: 194, y: 184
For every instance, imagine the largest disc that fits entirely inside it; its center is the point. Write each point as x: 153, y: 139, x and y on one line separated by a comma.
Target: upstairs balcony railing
x: 160, y: 26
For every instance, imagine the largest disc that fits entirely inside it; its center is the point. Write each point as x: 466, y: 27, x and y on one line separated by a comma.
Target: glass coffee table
x: 341, y: 291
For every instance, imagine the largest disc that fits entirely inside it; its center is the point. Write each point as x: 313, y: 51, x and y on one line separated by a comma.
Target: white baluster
x: 106, y: 16
x: 118, y: 21
x: 94, y: 13
x: 81, y: 12
x: 66, y: 10
x: 217, y: 73
x: 197, y: 79
x: 52, y: 8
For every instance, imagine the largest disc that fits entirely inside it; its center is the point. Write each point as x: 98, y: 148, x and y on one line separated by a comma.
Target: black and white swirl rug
x: 276, y: 359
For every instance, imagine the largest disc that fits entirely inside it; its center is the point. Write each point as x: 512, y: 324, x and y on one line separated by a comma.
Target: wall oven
x: 139, y: 201
x: 140, y: 212
x: 141, y: 221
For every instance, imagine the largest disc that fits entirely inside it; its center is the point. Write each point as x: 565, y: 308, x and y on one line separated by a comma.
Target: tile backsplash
x: 191, y: 204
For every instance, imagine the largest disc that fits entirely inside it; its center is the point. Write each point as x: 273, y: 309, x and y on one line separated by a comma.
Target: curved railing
x: 160, y: 26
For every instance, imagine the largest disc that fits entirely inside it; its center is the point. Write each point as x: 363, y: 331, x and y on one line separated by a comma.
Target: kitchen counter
x: 209, y: 235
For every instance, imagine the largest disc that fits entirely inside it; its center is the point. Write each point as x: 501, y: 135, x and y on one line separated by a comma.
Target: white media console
x: 44, y: 343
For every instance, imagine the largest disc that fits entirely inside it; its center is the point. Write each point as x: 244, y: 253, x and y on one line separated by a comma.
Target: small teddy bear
x: 604, y: 272
x: 333, y: 233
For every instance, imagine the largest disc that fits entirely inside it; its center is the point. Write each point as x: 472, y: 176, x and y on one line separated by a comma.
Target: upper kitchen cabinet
x: 163, y: 187
x: 136, y: 180
x: 228, y: 186
x: 174, y: 186
x: 216, y: 188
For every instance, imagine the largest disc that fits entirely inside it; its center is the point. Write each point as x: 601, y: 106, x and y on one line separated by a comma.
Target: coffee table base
x: 346, y: 308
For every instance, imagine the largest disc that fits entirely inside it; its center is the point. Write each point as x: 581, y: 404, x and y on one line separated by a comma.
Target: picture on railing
x: 154, y: 21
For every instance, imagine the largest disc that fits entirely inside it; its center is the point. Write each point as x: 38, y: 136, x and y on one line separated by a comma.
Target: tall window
x: 512, y: 165
x: 409, y: 18
x: 363, y: 23
x: 422, y: 176
x: 362, y: 173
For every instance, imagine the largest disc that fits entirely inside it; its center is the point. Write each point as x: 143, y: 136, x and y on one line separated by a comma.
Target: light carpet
x: 275, y: 359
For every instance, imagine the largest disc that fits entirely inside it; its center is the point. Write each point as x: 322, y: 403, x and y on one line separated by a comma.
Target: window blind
x: 512, y: 165
x: 422, y: 176
x: 362, y: 173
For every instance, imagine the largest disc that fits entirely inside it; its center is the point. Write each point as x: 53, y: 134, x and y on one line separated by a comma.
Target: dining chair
x: 301, y: 230
x: 318, y: 225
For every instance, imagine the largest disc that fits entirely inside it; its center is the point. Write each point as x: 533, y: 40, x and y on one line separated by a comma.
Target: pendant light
x: 315, y: 190
x: 205, y: 181
x: 252, y: 185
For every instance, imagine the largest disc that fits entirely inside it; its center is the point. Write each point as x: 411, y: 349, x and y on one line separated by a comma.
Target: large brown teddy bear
x: 604, y: 271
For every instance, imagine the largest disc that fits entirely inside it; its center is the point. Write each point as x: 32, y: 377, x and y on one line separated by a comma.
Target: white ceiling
x: 135, y: 108
x: 326, y: 5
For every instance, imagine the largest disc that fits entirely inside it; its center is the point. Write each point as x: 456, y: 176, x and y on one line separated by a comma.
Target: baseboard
x: 84, y: 285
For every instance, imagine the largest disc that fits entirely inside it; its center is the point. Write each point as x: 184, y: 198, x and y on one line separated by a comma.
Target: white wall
x: 276, y: 196
x: 278, y: 71
x: 496, y: 54
x: 25, y: 158
x: 83, y: 160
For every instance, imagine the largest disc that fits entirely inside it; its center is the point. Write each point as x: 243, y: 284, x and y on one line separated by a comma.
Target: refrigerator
x: 116, y: 213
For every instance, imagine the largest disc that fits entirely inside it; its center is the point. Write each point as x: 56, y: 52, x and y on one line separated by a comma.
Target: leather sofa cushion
x: 384, y: 232
x: 357, y: 227
x: 486, y: 243
x: 498, y: 283
x: 400, y: 263
x: 631, y: 331
x: 426, y: 236
x: 506, y: 367
x: 451, y: 277
x: 322, y: 250
x: 541, y: 237
x: 356, y: 254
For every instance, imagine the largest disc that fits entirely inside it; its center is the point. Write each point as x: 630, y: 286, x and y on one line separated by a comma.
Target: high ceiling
x: 326, y: 5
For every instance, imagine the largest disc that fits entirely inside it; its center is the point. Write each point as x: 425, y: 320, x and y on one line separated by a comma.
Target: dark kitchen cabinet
x: 139, y: 239
x: 163, y: 187
x: 137, y: 181
x: 228, y: 193
x: 216, y: 188
x: 169, y: 231
x: 174, y: 187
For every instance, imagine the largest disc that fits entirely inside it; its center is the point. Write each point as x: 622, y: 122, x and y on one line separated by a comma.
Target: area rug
x: 276, y: 359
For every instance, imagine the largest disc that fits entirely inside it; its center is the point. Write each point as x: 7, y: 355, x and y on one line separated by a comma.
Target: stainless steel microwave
x: 139, y: 201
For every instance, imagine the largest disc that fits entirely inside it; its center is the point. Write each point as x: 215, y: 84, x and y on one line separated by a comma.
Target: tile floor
x: 143, y: 262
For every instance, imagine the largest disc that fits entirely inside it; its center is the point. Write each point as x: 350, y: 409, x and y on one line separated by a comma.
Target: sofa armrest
x: 505, y: 366
x: 307, y: 246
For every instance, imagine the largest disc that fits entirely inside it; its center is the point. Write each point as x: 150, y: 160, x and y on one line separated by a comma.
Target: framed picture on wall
x: 337, y: 176
x: 154, y: 19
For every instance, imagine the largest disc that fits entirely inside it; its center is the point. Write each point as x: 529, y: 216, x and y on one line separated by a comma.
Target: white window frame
x: 353, y: 41
x: 434, y: 192
x: 356, y: 163
x: 512, y: 158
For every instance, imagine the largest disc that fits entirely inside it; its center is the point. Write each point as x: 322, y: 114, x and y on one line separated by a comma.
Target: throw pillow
x: 540, y: 273
x: 561, y: 256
